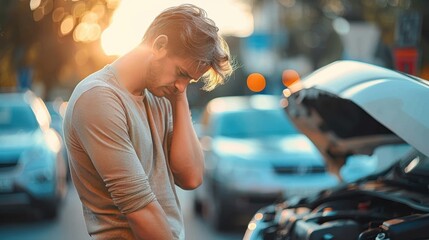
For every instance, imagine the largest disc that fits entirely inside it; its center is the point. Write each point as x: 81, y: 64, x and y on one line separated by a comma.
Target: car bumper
x: 288, y: 185
x: 26, y: 188
x: 241, y: 206
x: 247, y: 196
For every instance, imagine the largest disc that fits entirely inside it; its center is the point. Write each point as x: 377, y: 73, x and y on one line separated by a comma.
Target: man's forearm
x: 186, y: 156
x: 150, y: 223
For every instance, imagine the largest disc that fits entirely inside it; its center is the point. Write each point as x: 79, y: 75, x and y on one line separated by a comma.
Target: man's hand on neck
x: 175, y: 97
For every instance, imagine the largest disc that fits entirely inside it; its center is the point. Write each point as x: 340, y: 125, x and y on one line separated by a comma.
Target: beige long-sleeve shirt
x: 118, y: 151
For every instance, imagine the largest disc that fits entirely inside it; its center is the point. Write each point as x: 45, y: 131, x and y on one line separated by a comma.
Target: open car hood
x: 351, y: 107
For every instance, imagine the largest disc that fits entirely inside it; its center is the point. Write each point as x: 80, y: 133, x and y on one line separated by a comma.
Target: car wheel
x: 216, y: 214
x: 52, y: 207
x: 50, y: 212
x: 198, y: 206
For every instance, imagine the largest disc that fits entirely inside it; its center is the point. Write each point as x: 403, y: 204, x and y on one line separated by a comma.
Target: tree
x: 54, y: 42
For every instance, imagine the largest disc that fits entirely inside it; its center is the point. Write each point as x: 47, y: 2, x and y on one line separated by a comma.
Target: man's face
x: 171, y: 74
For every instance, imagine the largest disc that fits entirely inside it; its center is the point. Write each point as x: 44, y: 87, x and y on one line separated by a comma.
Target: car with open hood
x: 351, y: 109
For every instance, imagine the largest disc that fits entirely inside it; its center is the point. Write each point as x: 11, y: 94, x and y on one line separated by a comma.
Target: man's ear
x: 159, y: 46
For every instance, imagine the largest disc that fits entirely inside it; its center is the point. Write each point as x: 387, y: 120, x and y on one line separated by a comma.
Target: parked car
x: 32, y: 167
x: 253, y: 156
x: 355, y: 109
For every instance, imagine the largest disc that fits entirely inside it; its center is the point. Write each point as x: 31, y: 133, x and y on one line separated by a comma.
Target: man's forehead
x: 195, y: 69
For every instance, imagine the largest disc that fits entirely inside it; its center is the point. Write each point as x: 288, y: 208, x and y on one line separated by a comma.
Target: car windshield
x: 17, y: 118
x: 253, y: 124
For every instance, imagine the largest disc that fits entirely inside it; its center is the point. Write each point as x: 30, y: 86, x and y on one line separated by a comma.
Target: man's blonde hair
x: 192, y: 34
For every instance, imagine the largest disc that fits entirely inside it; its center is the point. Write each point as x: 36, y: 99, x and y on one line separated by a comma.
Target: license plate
x: 6, y: 185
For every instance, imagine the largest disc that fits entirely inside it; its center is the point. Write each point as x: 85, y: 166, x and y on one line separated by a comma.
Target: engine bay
x: 375, y: 208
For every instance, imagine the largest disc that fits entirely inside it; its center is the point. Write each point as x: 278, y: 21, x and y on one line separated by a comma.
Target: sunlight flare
x: 132, y: 18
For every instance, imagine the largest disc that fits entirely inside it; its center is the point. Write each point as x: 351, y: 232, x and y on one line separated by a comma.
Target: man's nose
x: 181, y: 85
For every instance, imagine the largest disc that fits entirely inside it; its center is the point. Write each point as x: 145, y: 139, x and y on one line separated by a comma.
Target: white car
x: 254, y: 156
x: 32, y: 167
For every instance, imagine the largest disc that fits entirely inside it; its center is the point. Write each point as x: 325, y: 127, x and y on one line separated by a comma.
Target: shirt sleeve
x: 100, y: 123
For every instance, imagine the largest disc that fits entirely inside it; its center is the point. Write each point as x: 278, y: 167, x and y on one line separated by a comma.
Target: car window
x: 17, y: 118
x: 253, y: 123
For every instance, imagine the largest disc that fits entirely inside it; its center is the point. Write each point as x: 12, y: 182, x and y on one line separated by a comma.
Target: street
x: 196, y: 228
x: 70, y: 225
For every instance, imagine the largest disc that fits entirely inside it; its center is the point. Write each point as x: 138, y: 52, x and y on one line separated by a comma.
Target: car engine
x: 370, y: 209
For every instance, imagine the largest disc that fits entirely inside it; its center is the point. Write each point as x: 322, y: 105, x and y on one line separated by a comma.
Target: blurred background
x: 48, y: 46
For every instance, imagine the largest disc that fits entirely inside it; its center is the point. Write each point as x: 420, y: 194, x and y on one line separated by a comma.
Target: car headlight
x: 38, y: 165
x: 41, y: 175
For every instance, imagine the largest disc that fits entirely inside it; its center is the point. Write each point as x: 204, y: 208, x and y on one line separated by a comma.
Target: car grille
x: 299, y: 169
x: 7, y: 163
x: 261, y: 198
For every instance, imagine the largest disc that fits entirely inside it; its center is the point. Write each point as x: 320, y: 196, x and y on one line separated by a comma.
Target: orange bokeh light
x: 290, y: 77
x: 256, y: 82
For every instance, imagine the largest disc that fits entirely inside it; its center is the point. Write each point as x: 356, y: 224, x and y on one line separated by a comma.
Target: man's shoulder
x: 98, y: 78
x: 96, y: 87
x: 99, y: 81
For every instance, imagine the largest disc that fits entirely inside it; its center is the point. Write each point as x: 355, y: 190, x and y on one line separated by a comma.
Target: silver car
x: 254, y: 156
x: 32, y: 167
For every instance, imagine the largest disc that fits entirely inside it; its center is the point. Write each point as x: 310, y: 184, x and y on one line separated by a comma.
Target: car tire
x: 198, y: 207
x: 52, y: 207
x: 51, y: 212
x: 216, y: 214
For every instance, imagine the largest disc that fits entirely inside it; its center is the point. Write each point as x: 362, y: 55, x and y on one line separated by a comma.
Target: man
x: 129, y: 132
